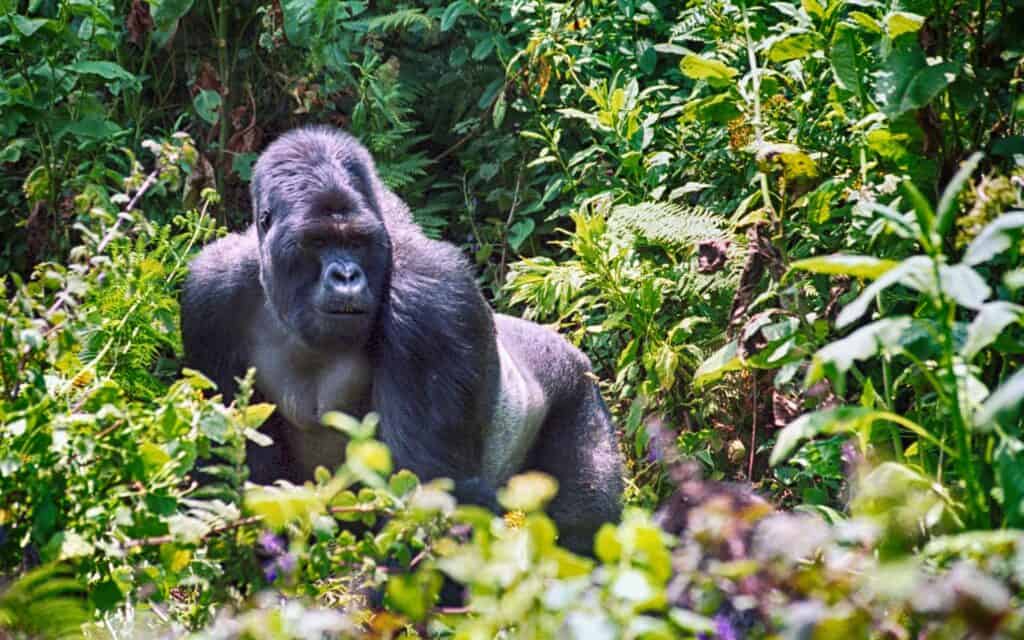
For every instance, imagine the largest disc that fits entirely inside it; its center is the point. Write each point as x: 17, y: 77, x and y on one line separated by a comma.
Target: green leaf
x: 908, y: 81
x: 91, y: 128
x: 992, y: 318
x: 899, y: 22
x: 827, y: 422
x: 867, y: 267
x: 28, y: 26
x: 452, y: 13
x: 498, y: 111
x: 994, y: 238
x: 1003, y: 405
x: 947, y: 204
x: 924, y: 213
x: 519, y: 232
x: 846, y: 61
x: 792, y: 47
x: 102, y: 68
x: 207, y: 105
x: 721, y: 362
x: 1009, y: 464
x: 280, y: 505
x: 299, y: 21
x: 166, y: 14
x: 700, y: 68
x: 413, y: 594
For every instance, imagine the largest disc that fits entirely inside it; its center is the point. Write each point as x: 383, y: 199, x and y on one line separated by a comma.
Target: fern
x: 667, y: 224
x: 401, y: 20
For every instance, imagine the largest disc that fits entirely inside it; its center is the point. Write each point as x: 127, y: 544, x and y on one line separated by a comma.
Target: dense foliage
x: 787, y: 234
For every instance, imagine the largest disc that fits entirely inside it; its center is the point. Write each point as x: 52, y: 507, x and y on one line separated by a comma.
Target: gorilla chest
x: 304, y: 388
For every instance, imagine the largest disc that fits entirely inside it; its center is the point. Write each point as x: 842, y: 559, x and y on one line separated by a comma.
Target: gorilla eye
x: 264, y: 220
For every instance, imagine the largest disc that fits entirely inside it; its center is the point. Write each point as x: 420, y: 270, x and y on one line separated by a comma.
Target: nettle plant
x: 948, y: 402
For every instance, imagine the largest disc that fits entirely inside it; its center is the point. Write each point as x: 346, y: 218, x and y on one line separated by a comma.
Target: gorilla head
x: 324, y: 249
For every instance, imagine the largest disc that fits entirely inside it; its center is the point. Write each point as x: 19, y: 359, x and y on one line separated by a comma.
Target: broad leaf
x: 964, y: 285
x: 885, y: 335
x: 792, y: 47
x: 867, y: 267
x: 828, y: 422
x: 721, y: 362
x: 994, y: 239
x: 910, y: 272
x: 1003, y: 404
x: 908, y: 81
x: 701, y: 68
x: 988, y: 324
x: 846, y: 62
x: 899, y: 22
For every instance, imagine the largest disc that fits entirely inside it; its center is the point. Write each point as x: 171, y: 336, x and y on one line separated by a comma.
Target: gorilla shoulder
x: 220, y: 292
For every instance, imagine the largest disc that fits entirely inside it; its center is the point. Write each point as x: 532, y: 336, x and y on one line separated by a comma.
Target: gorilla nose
x: 345, y: 277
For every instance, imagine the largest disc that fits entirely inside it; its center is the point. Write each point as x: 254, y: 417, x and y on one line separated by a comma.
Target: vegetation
x: 787, y: 234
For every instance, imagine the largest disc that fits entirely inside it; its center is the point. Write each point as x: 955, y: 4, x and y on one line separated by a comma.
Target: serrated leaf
x: 103, y: 68
x: 867, y: 267
x: 994, y: 238
x: 988, y: 324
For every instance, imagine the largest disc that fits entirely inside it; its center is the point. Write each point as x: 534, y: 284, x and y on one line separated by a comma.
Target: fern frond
x: 400, y: 20
x: 667, y: 224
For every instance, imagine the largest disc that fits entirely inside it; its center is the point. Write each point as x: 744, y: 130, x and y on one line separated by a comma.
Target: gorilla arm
x: 435, y: 363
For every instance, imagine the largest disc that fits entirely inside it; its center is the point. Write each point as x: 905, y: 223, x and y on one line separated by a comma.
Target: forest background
x: 787, y: 234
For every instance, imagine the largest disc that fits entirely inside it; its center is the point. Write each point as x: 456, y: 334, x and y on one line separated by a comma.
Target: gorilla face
x: 324, y: 249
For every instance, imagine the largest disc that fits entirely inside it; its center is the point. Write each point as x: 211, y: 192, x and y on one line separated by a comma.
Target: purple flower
x: 724, y: 628
x: 274, y: 545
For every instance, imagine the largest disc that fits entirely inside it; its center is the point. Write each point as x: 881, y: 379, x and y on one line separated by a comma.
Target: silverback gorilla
x: 342, y: 303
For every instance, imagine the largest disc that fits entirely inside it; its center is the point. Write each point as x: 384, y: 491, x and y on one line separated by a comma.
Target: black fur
x: 431, y: 343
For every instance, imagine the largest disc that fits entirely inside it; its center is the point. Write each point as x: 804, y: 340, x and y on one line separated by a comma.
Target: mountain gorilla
x: 343, y: 304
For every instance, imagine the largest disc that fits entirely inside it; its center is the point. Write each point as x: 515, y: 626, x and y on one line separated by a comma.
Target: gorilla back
x: 343, y: 304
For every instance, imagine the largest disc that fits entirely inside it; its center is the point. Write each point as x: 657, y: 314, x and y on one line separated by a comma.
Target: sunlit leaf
x: 1003, y: 404
x: 721, y: 362
x: 994, y: 238
x: 992, y: 318
x: 700, y: 68
x: 867, y: 267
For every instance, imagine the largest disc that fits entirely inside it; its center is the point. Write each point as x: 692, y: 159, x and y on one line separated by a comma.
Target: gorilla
x: 341, y: 303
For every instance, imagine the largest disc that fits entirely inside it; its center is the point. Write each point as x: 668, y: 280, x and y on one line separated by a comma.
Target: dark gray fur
x: 452, y: 402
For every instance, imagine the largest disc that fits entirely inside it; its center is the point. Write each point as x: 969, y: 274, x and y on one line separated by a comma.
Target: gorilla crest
x: 341, y: 303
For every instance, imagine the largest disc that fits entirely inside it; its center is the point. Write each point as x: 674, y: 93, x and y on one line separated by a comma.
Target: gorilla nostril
x: 346, y: 274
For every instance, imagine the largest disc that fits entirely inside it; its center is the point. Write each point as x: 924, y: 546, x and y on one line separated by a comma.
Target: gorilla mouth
x: 342, y: 311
